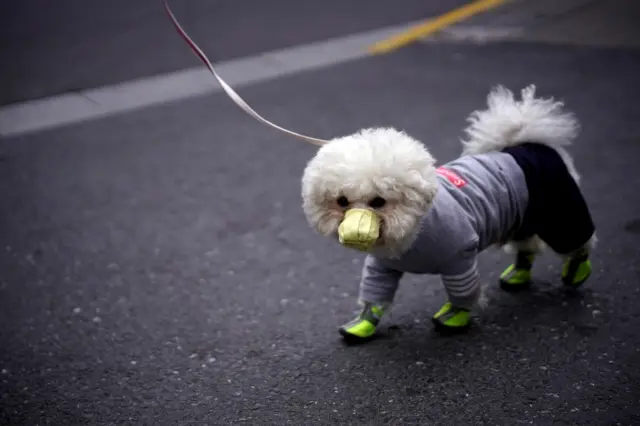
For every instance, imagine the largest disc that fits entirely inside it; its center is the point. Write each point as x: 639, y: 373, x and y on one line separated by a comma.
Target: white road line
x: 476, y: 34
x: 55, y: 111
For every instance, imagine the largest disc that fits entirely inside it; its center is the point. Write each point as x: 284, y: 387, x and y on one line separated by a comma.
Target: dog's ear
x: 424, y: 185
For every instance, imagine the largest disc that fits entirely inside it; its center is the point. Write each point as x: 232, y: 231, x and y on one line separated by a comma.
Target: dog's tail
x: 508, y: 122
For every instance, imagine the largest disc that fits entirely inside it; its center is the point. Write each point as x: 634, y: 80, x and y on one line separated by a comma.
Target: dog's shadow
x: 543, y: 304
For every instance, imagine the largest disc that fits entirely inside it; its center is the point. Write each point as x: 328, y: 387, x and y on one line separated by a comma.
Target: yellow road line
x: 435, y: 24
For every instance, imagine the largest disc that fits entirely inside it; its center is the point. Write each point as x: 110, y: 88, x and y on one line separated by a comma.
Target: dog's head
x: 369, y: 190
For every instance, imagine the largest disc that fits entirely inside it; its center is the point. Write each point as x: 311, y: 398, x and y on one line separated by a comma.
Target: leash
x: 229, y: 91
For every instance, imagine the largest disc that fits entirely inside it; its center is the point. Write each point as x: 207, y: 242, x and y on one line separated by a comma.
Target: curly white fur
x: 373, y: 162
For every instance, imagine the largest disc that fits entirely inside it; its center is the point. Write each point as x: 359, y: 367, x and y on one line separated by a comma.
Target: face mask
x: 360, y: 229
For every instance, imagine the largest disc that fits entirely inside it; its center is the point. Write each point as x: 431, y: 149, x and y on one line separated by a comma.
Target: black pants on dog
x: 557, y: 211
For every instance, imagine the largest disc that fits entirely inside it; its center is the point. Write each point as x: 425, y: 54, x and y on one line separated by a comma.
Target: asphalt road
x: 156, y: 267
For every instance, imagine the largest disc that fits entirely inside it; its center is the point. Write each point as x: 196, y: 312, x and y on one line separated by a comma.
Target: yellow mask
x: 360, y: 229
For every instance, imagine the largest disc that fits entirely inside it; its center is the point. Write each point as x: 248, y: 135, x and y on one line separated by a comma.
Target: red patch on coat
x: 451, y: 177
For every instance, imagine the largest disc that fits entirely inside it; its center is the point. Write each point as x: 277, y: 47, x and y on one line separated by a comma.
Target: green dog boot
x: 517, y: 276
x: 452, y: 319
x: 576, y: 270
x: 364, y: 325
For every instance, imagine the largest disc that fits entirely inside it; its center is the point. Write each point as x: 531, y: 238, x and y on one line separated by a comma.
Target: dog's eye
x: 377, y: 202
x: 342, y: 201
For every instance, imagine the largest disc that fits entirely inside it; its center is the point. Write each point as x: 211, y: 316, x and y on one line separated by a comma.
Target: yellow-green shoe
x: 517, y: 276
x: 364, y: 325
x: 451, y: 319
x: 576, y: 270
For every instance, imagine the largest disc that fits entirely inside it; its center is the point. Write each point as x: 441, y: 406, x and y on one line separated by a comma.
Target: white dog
x: 380, y: 191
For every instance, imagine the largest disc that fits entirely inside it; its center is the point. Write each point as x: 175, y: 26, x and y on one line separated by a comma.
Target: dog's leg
x: 577, y: 265
x: 378, y: 286
x: 517, y: 276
